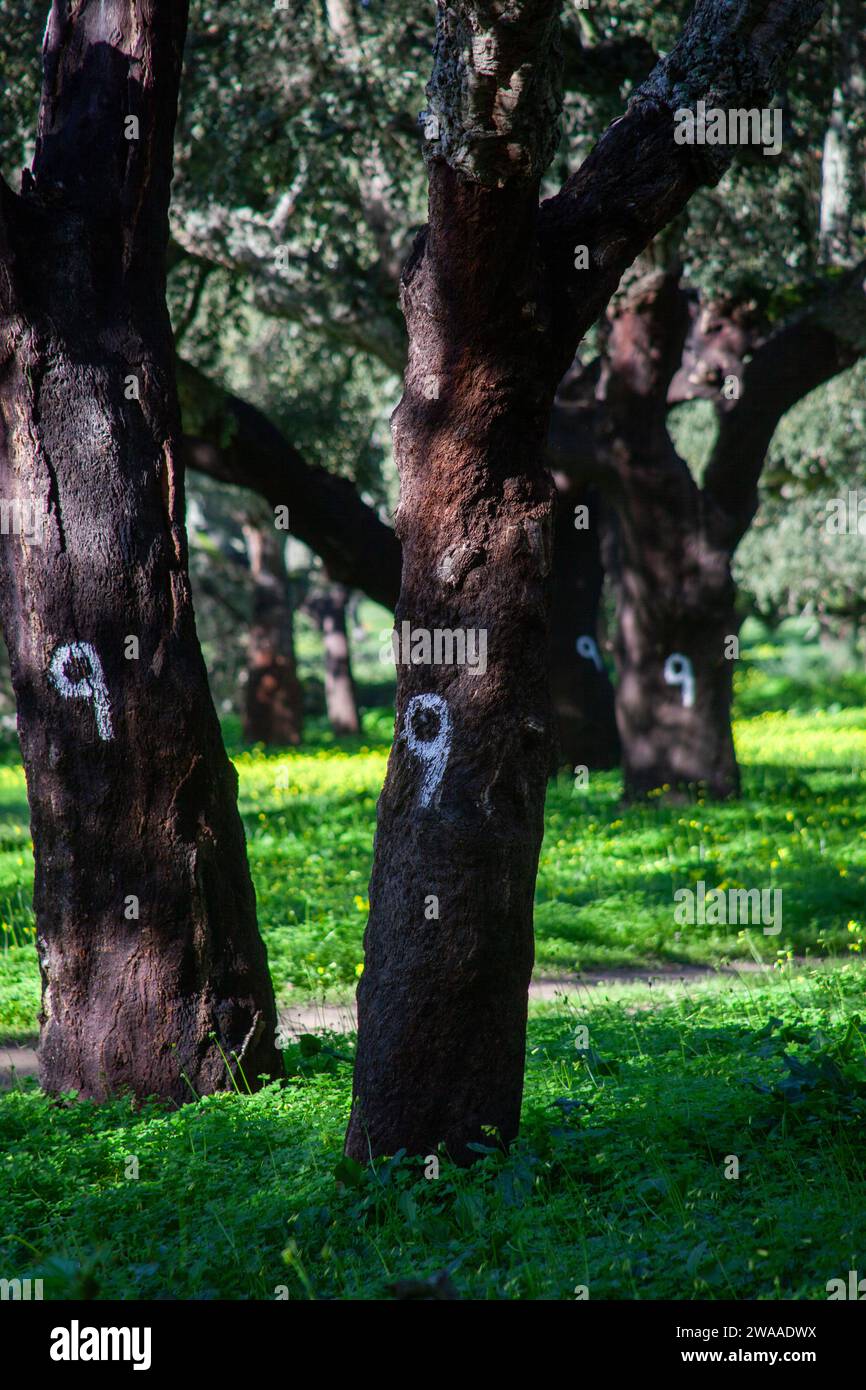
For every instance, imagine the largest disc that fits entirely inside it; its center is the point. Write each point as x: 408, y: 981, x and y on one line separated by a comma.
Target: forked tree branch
x: 731, y: 54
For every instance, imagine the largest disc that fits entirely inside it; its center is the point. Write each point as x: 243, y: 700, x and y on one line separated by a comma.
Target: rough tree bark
x: 154, y: 977
x: 495, y: 307
x: 273, y: 700
x: 326, y: 604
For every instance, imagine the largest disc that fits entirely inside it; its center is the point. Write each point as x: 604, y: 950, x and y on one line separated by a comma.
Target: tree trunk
x: 273, y: 703
x: 327, y: 606
x: 154, y: 977
x: 676, y: 618
x: 582, y: 693
x: 674, y: 654
x: 443, y: 999
x: 495, y: 304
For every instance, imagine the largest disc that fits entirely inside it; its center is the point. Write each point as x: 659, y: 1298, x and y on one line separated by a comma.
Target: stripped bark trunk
x: 495, y: 305
x: 154, y: 977
x: 460, y: 816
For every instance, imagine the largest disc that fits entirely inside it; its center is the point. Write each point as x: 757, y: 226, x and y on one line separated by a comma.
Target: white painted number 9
x: 679, y: 671
x: 434, y: 751
x: 588, y: 647
x: 89, y: 686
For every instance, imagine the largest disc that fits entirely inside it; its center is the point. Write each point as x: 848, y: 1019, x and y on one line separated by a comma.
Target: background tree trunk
x: 154, y: 976
x: 675, y: 541
x: 675, y: 605
x: 273, y: 700
x: 675, y: 593
x: 327, y: 606
x: 583, y: 696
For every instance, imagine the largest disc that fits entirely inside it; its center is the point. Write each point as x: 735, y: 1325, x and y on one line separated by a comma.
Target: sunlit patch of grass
x: 607, y: 874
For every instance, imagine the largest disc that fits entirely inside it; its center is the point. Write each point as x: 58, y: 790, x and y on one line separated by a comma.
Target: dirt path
x: 18, y: 1062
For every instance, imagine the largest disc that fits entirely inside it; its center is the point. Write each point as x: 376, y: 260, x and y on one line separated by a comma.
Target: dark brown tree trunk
x: 495, y: 305
x: 678, y: 621
x: 327, y: 606
x: 677, y: 628
x: 442, y: 1002
x: 154, y: 976
x: 273, y: 701
x: 582, y: 693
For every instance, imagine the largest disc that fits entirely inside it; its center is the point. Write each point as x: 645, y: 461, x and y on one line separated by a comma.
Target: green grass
x: 618, y: 1182
x: 606, y: 879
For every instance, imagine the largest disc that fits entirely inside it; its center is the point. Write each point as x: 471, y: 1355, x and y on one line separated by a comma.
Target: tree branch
x: 817, y: 344
x: 289, y: 284
x: 232, y: 441
x: 637, y: 178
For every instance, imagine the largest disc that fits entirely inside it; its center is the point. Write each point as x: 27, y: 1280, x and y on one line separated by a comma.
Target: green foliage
x: 281, y: 111
x: 823, y: 1086
x: 789, y: 564
x: 21, y: 26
